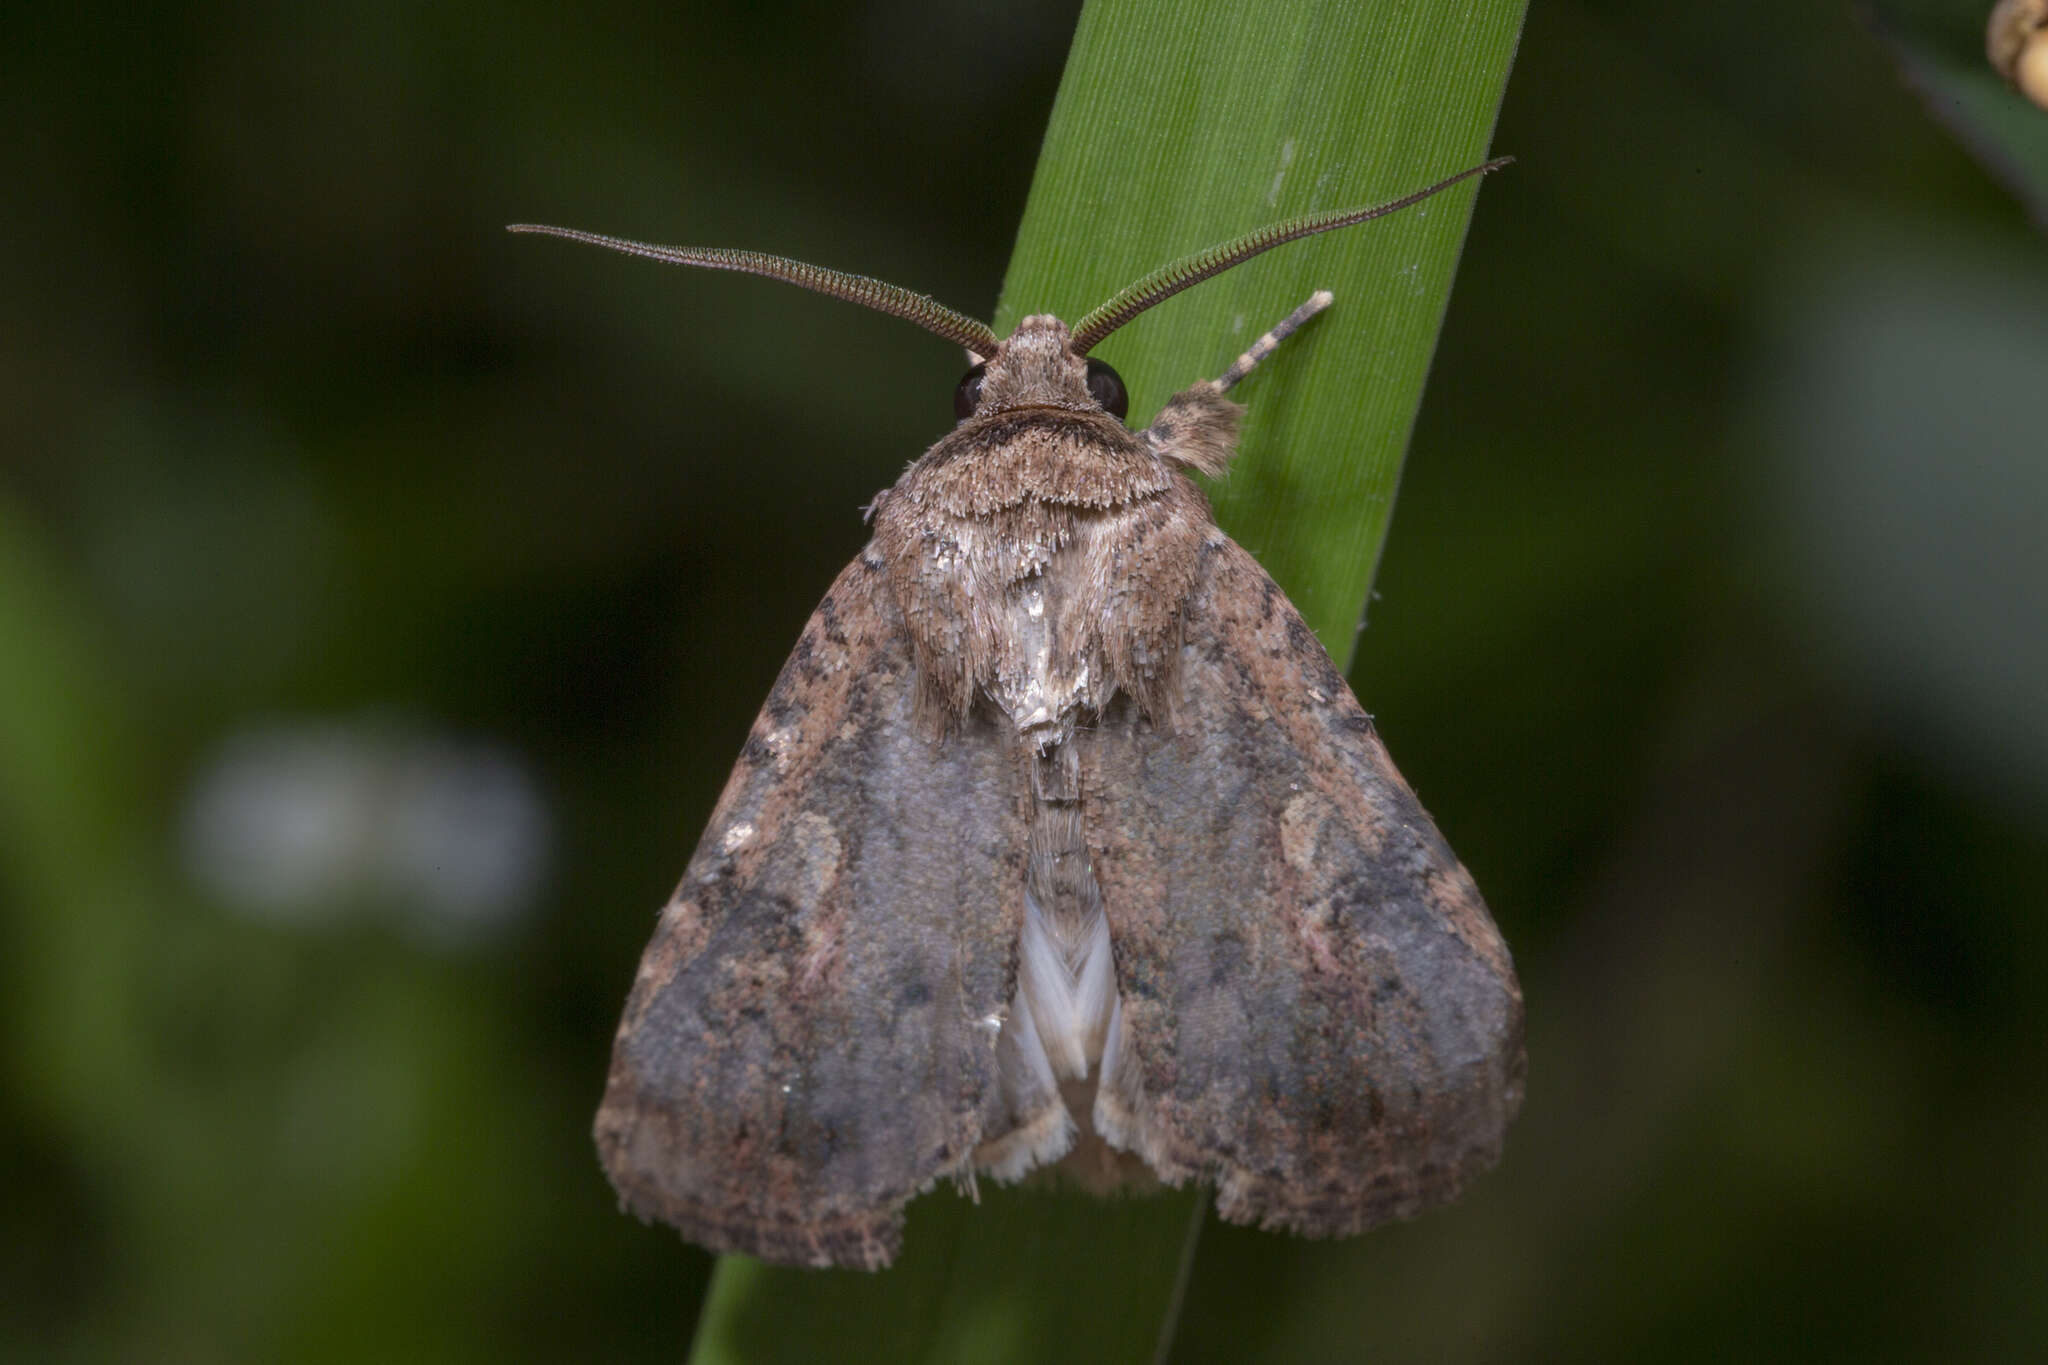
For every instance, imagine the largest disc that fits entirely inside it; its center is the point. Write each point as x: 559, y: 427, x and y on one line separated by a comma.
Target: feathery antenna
x: 1168, y: 280
x: 892, y: 299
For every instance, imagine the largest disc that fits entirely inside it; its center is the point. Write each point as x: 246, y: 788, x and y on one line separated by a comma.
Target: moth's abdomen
x: 1052, y: 1045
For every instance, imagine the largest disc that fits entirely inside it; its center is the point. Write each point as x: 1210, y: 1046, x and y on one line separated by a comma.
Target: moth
x: 1059, y: 836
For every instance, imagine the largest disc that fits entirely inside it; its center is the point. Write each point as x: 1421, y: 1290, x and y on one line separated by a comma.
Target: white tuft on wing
x: 1069, y: 983
x: 1029, y: 1087
x: 1066, y: 997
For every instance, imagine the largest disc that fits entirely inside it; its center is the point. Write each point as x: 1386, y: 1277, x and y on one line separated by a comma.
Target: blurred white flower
x: 323, y: 819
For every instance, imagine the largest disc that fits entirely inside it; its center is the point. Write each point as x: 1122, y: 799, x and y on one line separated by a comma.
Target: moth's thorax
x: 1041, y: 552
x: 1005, y: 459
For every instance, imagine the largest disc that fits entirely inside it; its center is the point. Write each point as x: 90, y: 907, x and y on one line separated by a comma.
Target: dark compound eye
x: 1106, y: 387
x: 968, y: 396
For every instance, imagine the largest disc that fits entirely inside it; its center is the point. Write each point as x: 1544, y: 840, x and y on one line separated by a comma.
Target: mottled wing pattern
x: 811, y: 1036
x: 1316, y: 1011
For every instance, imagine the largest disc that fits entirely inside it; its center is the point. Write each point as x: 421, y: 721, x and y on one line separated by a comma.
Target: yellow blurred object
x: 2016, y: 42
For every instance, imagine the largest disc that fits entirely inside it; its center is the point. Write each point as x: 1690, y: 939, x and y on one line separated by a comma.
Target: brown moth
x: 1059, y: 828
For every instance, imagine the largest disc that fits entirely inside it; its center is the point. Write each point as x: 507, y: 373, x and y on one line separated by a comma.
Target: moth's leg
x: 1198, y: 425
x: 1266, y: 344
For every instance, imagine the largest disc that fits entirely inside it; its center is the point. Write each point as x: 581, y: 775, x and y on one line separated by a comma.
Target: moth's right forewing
x: 811, y: 1037
x: 1316, y: 1011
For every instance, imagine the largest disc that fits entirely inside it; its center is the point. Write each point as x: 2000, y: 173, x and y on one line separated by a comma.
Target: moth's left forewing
x: 811, y: 1038
x: 1316, y: 1009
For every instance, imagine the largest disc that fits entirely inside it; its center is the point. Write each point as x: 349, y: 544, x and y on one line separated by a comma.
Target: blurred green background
x: 383, y: 599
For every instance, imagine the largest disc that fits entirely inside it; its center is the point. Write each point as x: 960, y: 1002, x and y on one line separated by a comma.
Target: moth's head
x: 1043, y: 363
x: 1038, y: 367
